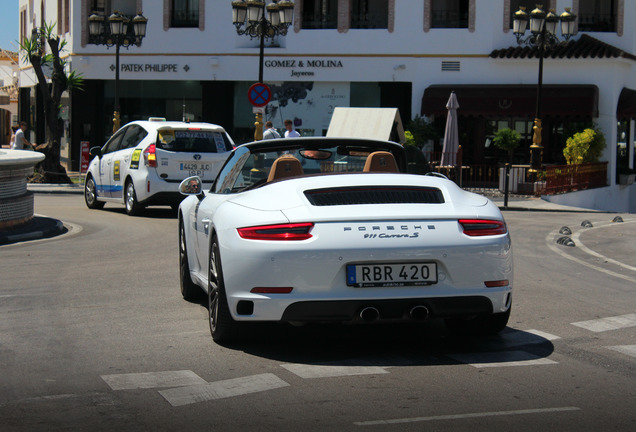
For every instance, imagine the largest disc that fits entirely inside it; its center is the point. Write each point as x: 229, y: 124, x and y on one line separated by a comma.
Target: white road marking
x: 330, y: 371
x: 501, y: 359
x: 222, y: 389
x: 553, y: 247
x: 526, y: 337
x: 467, y: 416
x: 153, y: 380
x: 630, y: 350
x: 610, y: 323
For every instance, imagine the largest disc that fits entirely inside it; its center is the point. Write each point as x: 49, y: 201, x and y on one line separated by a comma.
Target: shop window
x: 449, y: 13
x: 598, y: 15
x: 370, y: 14
x: 185, y: 13
x: 320, y: 14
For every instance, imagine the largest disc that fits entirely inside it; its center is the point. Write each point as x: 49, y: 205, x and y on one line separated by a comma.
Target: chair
x: 380, y: 161
x: 283, y: 167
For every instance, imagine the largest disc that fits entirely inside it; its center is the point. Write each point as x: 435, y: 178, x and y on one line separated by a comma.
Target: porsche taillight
x: 482, y: 227
x: 293, y: 231
x: 150, y: 156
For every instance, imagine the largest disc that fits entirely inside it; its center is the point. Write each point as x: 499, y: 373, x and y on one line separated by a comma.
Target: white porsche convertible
x: 337, y: 230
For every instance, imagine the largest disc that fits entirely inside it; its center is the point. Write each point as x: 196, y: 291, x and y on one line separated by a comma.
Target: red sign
x: 259, y: 94
x: 84, y: 156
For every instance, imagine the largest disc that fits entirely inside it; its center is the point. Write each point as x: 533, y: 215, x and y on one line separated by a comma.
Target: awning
x: 626, y: 108
x: 513, y: 100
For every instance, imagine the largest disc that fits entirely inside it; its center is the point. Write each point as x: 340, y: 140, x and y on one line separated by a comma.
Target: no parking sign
x: 259, y: 94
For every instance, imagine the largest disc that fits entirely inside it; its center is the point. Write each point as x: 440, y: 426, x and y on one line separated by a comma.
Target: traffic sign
x: 259, y: 94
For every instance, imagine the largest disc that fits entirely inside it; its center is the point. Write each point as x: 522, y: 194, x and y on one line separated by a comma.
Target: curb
x: 39, y: 227
x: 55, y: 189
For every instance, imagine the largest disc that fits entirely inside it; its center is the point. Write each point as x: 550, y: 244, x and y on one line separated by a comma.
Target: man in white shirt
x: 270, y: 131
x: 20, y: 142
x: 290, y: 132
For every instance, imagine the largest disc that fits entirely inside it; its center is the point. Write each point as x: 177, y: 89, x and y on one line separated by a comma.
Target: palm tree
x: 50, y: 170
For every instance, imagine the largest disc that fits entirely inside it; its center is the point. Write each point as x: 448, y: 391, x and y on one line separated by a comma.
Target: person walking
x: 270, y: 131
x: 290, y: 132
x: 20, y: 142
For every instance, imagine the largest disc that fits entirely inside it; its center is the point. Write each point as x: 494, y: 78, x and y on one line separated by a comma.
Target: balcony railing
x: 568, y: 178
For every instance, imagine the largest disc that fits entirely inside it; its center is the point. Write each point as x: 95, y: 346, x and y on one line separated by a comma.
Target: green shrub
x: 584, y: 147
x: 507, y: 139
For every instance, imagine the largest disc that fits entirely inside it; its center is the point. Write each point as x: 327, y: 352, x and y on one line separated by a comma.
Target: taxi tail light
x: 482, y: 227
x: 293, y: 231
x: 150, y: 156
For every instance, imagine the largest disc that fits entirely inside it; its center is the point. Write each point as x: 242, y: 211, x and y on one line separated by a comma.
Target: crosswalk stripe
x: 630, y: 350
x: 153, y: 380
x: 501, y: 359
x: 331, y: 371
x: 222, y: 389
x: 609, y: 323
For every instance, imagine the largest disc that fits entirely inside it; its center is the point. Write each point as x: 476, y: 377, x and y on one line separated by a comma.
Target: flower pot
x: 626, y: 179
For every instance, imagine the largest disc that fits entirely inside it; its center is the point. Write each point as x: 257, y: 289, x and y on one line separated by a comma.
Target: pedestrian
x: 20, y: 142
x: 290, y: 132
x: 270, y: 131
x: 12, y: 140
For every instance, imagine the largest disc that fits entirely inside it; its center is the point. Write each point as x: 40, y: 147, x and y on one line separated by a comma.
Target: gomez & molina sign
x: 299, y: 67
x: 147, y: 67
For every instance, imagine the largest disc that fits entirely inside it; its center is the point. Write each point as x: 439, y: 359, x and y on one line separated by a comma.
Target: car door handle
x: 206, y: 225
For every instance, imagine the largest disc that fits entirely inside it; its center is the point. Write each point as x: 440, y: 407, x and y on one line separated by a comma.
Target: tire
x: 223, y: 328
x: 482, y: 325
x: 189, y: 290
x: 90, y: 194
x: 133, y: 208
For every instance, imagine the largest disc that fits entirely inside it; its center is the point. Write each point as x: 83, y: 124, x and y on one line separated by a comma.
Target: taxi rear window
x: 198, y: 141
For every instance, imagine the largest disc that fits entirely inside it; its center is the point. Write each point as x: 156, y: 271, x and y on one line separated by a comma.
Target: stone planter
x: 626, y: 179
x: 16, y: 202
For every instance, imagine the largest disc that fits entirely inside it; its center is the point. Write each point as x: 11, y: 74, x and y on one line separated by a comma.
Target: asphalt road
x: 94, y: 335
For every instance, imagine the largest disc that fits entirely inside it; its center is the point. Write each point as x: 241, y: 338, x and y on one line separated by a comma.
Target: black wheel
x: 223, y: 328
x: 189, y: 290
x: 482, y: 325
x: 90, y: 194
x: 133, y: 207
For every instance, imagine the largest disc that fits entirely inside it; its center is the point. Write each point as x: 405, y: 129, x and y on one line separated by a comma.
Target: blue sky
x: 9, y: 21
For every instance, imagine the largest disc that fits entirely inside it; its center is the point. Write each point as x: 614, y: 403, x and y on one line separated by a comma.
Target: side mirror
x: 191, y: 186
x: 95, y: 151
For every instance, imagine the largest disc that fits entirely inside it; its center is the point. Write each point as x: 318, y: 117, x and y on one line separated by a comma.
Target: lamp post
x: 543, y: 28
x: 119, y: 31
x: 249, y: 18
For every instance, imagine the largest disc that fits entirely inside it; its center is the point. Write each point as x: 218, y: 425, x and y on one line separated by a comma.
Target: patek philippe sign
x: 152, y: 67
x: 305, y: 67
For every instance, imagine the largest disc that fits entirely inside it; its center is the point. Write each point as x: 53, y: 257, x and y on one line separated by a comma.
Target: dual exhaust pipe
x: 416, y: 313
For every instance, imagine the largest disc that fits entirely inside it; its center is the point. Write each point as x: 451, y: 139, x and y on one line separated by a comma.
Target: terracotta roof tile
x: 584, y: 47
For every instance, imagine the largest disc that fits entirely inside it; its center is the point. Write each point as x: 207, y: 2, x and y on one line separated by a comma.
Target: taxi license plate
x: 189, y: 166
x: 391, y: 275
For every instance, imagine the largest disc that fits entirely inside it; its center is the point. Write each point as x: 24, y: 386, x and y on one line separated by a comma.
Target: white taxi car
x: 143, y: 163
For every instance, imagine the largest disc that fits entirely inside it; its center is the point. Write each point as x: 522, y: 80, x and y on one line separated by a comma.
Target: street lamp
x: 119, y: 31
x: 543, y: 28
x: 249, y: 18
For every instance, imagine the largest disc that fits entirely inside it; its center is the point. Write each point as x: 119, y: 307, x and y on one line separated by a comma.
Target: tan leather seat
x: 285, y: 166
x: 380, y: 161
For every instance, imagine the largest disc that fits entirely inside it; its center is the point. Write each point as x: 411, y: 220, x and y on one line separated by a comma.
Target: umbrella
x: 451, y: 133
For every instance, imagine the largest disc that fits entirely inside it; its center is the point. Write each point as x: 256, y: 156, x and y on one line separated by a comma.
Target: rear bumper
x: 397, y: 309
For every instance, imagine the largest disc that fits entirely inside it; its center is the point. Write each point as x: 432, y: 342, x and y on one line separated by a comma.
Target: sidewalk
x: 515, y: 202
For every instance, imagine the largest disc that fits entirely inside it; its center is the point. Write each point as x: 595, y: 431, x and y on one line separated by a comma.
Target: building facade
x: 359, y: 53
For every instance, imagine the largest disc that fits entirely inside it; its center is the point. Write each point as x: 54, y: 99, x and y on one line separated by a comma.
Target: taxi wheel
x: 223, y: 328
x: 133, y: 207
x: 189, y: 290
x: 90, y: 194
